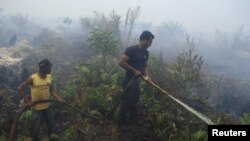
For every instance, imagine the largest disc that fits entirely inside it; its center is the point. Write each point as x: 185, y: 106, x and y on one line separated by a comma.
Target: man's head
x: 146, y: 39
x: 45, y: 66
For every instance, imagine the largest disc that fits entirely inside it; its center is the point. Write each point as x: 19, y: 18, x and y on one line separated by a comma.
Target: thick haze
x: 201, y: 15
x: 216, y: 30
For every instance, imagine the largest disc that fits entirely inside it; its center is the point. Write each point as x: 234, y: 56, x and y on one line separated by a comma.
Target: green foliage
x: 70, y: 89
x: 161, y: 133
x: 245, y: 119
x: 224, y: 118
x: 24, y: 123
x: 20, y: 137
x: 158, y: 69
x: 54, y: 137
x: 71, y: 134
x: 94, y: 90
x: 200, y: 136
x: 95, y: 113
x: 27, y: 115
x: 84, y: 70
x: 171, y: 122
x: 93, y: 99
x: 105, y: 45
x: 23, y: 138
x: 3, y: 136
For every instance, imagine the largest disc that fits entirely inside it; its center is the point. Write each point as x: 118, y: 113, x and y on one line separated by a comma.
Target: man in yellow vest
x: 41, y: 88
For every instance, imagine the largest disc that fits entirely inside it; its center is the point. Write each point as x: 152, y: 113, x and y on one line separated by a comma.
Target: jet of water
x: 198, y: 114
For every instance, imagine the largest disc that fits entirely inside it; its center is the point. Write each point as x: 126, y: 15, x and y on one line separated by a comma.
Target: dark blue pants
x: 131, y: 96
x: 38, y: 118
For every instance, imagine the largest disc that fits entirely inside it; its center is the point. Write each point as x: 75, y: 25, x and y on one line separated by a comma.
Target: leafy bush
x: 245, y: 119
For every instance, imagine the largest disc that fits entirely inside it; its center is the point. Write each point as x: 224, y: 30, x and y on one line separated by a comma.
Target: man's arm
x: 123, y: 62
x: 21, y: 89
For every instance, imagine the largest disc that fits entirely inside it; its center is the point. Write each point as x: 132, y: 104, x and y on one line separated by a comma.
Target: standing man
x: 41, y: 88
x: 134, y: 61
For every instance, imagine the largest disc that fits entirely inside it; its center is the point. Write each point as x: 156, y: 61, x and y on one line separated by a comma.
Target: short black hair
x: 44, y: 65
x: 146, y: 35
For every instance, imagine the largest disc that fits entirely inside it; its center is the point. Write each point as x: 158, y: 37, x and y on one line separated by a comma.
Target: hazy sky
x: 193, y: 14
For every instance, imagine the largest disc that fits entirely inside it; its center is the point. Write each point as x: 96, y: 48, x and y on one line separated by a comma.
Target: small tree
x: 109, y: 23
x: 131, y: 16
x: 105, y: 45
x: 122, y: 30
x: 186, y: 70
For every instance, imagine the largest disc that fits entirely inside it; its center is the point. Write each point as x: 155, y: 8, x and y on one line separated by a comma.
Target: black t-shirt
x: 137, y: 58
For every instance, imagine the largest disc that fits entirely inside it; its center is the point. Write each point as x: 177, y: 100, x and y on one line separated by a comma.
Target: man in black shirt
x: 134, y: 61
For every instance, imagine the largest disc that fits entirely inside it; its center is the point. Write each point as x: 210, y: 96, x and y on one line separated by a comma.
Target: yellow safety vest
x: 40, y: 90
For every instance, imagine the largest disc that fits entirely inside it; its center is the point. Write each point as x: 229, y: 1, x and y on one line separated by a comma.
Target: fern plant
x: 245, y: 119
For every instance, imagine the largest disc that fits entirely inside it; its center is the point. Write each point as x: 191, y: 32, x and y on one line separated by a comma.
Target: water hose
x: 13, y: 128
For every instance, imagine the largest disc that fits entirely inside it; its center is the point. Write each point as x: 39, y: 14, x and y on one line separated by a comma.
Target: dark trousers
x: 130, y: 99
x: 39, y: 117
